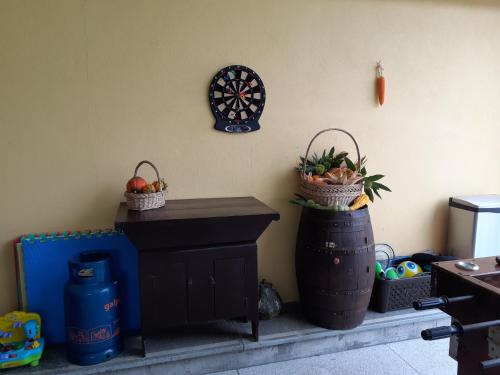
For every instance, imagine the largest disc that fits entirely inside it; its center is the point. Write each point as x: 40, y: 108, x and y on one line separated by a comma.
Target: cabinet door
x: 201, y: 288
x: 163, y: 290
x: 230, y: 296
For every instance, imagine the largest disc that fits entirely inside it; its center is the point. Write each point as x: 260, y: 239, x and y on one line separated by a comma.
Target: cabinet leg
x: 255, y: 329
x: 143, y: 342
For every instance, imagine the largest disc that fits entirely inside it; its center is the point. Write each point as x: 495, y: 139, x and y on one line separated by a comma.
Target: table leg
x: 472, y: 349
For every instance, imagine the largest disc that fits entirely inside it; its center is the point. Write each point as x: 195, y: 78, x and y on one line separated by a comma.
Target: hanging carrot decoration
x: 380, y: 83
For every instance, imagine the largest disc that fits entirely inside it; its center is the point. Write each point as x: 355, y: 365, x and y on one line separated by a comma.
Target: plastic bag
x: 270, y: 303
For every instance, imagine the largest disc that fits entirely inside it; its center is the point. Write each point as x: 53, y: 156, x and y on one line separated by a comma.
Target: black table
x: 197, y: 260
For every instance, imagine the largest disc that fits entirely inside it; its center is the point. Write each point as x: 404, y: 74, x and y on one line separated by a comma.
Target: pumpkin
x: 148, y: 188
x: 136, y: 184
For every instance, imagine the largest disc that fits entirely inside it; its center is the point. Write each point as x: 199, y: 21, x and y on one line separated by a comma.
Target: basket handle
x: 151, y: 164
x: 304, y: 164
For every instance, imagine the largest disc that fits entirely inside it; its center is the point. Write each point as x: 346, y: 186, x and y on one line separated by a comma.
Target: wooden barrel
x: 335, y: 265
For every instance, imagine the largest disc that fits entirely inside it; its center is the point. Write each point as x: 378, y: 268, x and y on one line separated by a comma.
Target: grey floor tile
x: 427, y: 357
x: 373, y: 360
x: 305, y: 366
x: 378, y: 359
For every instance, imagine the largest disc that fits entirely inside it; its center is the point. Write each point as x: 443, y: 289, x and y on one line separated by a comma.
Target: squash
x: 359, y: 202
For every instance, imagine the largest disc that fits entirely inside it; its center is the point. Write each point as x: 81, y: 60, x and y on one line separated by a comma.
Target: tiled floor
x: 412, y: 357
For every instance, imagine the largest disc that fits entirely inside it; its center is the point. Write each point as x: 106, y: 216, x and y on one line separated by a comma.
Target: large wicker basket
x: 146, y: 201
x: 330, y: 194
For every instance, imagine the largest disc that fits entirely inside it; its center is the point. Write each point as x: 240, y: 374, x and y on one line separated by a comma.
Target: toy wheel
x: 35, y: 363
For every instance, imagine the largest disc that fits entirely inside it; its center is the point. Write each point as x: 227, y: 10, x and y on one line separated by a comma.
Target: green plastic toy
x: 379, y: 271
x: 391, y: 273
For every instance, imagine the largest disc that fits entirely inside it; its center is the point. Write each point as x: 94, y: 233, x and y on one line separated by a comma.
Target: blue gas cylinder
x: 91, y: 307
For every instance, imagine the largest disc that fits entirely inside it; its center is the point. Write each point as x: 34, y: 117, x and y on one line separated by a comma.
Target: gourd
x: 360, y: 202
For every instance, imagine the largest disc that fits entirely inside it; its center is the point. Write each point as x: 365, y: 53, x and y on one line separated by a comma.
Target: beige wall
x: 88, y: 88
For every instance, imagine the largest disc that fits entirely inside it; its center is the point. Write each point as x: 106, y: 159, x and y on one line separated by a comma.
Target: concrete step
x: 228, y: 345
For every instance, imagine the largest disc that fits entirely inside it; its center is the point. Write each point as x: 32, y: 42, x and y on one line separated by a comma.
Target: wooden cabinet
x: 197, y: 260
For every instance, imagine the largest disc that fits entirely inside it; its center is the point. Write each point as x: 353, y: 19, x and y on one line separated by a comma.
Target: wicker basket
x: 330, y: 194
x: 146, y: 201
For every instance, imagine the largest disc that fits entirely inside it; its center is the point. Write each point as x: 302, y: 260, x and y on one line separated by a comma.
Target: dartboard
x: 237, y: 97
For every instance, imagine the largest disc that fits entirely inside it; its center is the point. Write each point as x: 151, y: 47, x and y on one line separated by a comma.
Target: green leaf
x: 350, y: 164
x: 336, y: 163
x: 324, y: 155
x: 368, y: 184
x: 369, y: 193
x: 376, y: 192
x: 378, y: 185
x: 341, y: 155
x: 297, y: 201
x: 300, y: 197
x: 363, y: 171
x: 303, y: 159
x: 361, y: 164
x: 332, y: 152
x: 375, y: 177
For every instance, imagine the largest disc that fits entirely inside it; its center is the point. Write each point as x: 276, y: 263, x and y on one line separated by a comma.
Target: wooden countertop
x: 182, y: 209
x: 196, y: 222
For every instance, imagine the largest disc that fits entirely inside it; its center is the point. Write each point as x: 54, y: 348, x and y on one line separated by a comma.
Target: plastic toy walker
x: 20, y: 341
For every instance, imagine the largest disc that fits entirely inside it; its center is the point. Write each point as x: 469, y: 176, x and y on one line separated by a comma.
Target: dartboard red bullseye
x: 237, y: 97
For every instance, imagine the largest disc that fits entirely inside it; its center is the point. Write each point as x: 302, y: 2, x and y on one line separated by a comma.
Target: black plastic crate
x: 399, y: 294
